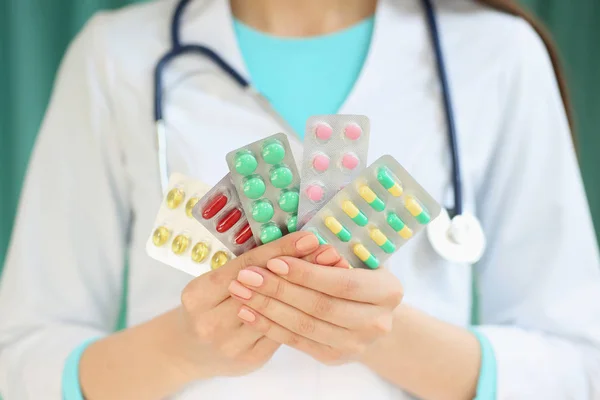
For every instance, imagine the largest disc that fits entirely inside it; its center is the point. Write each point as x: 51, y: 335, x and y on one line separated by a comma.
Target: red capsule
x: 216, y: 204
x: 229, y: 220
x: 243, y: 235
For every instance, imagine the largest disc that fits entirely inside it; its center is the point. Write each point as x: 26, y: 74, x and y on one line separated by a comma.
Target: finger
x: 240, y: 340
x: 224, y: 316
x: 264, y: 347
x: 207, y: 325
x: 367, y: 286
x: 210, y: 289
x: 327, y: 255
x: 290, y: 318
x: 340, y: 312
x: 279, y: 334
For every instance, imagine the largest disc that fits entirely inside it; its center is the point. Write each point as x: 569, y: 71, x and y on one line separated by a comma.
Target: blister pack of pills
x: 374, y: 215
x: 335, y: 152
x: 267, y: 181
x: 221, y: 212
x: 177, y: 239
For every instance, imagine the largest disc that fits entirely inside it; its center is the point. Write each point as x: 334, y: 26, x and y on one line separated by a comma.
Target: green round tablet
x: 254, y: 187
x: 288, y: 200
x: 270, y: 232
x: 292, y: 223
x: 262, y: 211
x: 245, y: 163
x: 273, y: 152
x: 281, y: 176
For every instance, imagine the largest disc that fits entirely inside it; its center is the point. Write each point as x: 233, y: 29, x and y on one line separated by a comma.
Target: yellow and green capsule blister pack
x: 375, y: 215
x: 177, y: 239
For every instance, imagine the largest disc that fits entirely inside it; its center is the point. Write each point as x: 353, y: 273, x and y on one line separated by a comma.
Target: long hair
x: 511, y: 7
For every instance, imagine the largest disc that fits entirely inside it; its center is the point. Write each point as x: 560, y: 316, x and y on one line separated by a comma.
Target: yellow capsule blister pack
x: 177, y: 239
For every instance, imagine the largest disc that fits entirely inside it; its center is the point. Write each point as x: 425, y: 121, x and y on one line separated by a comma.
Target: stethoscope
x: 455, y: 234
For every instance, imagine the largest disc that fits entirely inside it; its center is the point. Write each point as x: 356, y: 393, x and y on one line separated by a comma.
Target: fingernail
x: 246, y: 315
x: 307, y: 243
x: 278, y: 266
x: 250, y: 278
x: 328, y: 257
x: 240, y: 290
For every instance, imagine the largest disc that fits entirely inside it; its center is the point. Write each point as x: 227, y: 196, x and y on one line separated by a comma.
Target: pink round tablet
x: 323, y: 131
x: 352, y: 131
x: 349, y: 161
x: 321, y: 162
x: 315, y: 193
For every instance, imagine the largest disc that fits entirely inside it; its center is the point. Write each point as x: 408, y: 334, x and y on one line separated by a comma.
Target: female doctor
x: 282, y: 321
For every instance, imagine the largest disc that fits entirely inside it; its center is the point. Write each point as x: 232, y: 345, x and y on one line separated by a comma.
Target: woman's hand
x: 220, y: 344
x: 333, y: 314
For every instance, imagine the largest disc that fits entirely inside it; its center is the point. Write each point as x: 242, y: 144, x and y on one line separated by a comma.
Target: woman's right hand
x: 219, y: 344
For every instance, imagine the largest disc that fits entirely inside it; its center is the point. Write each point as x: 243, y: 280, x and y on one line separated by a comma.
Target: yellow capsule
x: 405, y: 233
x: 354, y: 213
x: 338, y: 229
x: 333, y: 225
x: 387, y: 180
x: 160, y: 236
x: 367, y: 194
x: 219, y: 259
x: 200, y: 251
x: 370, y: 197
x: 365, y: 256
x: 396, y: 190
x: 175, y: 197
x: 189, y: 207
x: 180, y: 244
x: 413, y: 207
x: 382, y: 241
x: 378, y: 237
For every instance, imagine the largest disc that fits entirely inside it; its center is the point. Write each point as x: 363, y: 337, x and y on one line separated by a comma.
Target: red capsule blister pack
x: 220, y: 212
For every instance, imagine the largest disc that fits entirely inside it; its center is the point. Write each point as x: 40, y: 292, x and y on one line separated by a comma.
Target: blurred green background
x: 34, y: 38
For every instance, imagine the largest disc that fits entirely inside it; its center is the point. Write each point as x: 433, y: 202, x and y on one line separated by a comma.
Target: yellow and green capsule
x: 415, y: 209
x: 354, y: 213
x: 382, y: 241
x: 399, y: 226
x: 338, y: 229
x: 370, y: 197
x: 320, y: 238
x: 385, y: 177
x: 365, y: 256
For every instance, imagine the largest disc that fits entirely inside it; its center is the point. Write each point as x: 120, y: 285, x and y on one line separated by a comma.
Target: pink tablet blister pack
x: 335, y: 152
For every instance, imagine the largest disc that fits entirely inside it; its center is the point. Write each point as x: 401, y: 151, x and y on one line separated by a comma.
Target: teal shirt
x: 302, y: 77
x: 305, y: 76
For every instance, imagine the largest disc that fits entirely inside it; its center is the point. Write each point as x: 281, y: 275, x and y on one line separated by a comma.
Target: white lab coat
x: 92, y: 191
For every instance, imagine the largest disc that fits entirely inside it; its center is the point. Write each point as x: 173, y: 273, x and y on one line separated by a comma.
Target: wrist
x: 181, y: 351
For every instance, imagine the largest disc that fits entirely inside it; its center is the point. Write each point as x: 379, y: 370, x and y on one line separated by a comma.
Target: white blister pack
x: 177, y: 239
x: 335, y: 152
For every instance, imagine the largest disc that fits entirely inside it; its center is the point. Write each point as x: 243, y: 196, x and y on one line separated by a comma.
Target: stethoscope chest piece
x: 460, y: 239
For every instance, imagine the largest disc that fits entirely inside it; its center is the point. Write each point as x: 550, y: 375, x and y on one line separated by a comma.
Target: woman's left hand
x: 333, y: 314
